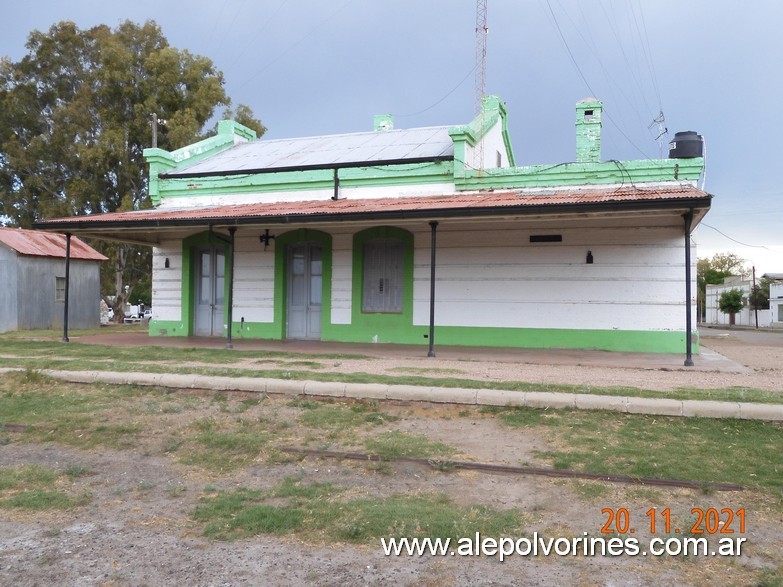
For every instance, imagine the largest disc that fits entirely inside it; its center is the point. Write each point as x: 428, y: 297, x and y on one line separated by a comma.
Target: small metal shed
x: 32, y: 281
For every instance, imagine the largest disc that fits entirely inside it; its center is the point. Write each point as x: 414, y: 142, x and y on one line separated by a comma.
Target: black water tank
x: 686, y: 145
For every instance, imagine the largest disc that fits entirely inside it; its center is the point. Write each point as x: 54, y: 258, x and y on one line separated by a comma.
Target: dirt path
x: 138, y: 530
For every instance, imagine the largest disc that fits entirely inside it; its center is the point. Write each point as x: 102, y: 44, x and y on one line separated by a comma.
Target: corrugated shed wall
x: 37, y: 307
x: 8, y: 299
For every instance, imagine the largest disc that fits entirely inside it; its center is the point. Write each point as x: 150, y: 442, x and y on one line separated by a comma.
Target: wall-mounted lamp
x: 589, y: 259
x: 265, y: 238
x: 166, y: 263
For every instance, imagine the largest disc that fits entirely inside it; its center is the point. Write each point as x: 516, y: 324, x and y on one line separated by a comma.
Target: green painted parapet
x: 492, y: 110
x: 161, y: 161
x: 571, y: 174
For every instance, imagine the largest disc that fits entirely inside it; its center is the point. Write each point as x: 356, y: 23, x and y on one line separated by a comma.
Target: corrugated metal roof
x: 46, y: 244
x: 343, y: 209
x: 325, y: 151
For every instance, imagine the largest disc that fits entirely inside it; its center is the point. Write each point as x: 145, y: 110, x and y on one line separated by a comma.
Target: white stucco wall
x: 489, y: 274
x: 493, y: 146
x: 776, y: 304
x: 166, y: 282
x: 746, y: 316
x: 492, y: 276
x: 254, y: 284
x: 342, y: 276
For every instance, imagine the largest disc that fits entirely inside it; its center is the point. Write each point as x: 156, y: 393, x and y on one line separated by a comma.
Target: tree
x: 731, y: 302
x: 759, y: 295
x: 713, y: 271
x: 75, y: 119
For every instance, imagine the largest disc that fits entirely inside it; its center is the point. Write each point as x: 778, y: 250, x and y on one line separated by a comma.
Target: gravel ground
x: 137, y: 531
x: 758, y: 358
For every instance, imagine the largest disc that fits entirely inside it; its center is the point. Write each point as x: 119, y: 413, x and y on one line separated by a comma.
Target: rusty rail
x: 514, y: 470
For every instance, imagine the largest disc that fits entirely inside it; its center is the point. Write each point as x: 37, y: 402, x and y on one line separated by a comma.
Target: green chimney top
x: 588, y: 130
x: 383, y: 122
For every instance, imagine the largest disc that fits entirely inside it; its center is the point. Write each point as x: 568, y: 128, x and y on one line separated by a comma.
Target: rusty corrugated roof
x: 464, y: 203
x: 46, y: 244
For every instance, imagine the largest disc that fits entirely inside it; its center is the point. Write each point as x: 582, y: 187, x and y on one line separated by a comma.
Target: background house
x: 32, y: 283
x: 746, y: 316
x: 775, y: 298
x: 374, y: 236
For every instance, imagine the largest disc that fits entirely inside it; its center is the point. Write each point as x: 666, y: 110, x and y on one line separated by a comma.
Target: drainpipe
x: 688, y: 343
x: 431, y: 353
x: 231, y: 232
x: 67, y: 284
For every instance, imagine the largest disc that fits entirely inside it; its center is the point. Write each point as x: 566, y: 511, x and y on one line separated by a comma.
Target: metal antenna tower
x: 480, y: 79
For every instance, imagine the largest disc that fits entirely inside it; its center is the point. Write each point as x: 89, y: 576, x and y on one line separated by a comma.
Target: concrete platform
x: 707, y: 360
x: 493, y: 397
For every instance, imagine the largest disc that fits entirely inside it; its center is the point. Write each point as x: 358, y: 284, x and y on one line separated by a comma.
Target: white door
x: 305, y: 285
x: 210, y: 286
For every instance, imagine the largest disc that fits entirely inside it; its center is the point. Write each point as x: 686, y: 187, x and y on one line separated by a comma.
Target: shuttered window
x: 383, y: 276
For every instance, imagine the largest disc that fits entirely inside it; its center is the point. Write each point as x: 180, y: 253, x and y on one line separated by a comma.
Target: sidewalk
x: 707, y: 361
x: 463, y: 396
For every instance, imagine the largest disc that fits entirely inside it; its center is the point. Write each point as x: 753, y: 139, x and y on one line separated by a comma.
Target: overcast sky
x: 309, y: 67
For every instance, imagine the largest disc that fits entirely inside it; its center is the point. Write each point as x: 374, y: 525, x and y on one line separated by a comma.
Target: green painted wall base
x: 530, y: 338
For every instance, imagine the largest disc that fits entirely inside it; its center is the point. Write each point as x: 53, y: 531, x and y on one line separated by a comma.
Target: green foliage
x: 713, y: 271
x: 693, y: 449
x: 731, y: 302
x: 395, y: 444
x: 316, y: 511
x: 29, y: 487
x: 93, y: 357
x: 219, y: 445
x: 75, y: 117
x: 342, y: 417
x: 244, y: 115
x: 759, y: 295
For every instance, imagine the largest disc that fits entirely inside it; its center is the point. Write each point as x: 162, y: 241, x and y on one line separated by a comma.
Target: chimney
x: 588, y: 130
x: 383, y: 122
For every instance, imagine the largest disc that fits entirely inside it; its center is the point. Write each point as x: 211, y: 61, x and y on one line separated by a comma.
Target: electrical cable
x: 590, y: 89
x: 294, y: 45
x: 454, y: 89
x: 258, y: 32
x: 733, y: 239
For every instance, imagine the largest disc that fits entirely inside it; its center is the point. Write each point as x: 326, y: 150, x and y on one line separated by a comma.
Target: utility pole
x: 154, y: 130
x: 755, y: 298
x: 155, y: 122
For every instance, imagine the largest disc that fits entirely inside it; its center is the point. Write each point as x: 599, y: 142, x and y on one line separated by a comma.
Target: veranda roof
x: 146, y: 225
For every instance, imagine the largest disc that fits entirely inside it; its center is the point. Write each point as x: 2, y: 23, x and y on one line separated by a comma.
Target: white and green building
x: 338, y: 238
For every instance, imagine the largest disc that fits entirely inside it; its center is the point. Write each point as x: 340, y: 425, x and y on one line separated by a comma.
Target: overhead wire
x: 648, y: 53
x: 231, y: 25
x: 733, y: 239
x: 613, y: 26
x: 591, y: 44
x: 584, y: 79
x: 454, y: 89
x: 216, y: 24
x: 288, y: 49
x: 259, y: 32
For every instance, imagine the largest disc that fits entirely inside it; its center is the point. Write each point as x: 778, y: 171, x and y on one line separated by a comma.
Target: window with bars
x: 383, y: 262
